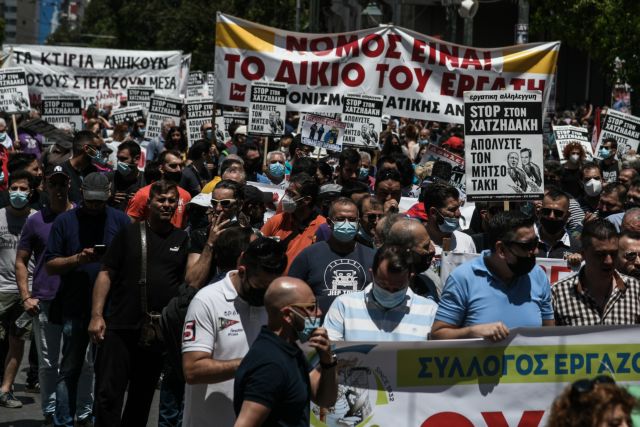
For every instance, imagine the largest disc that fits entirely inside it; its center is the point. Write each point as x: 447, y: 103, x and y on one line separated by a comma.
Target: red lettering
x: 517, y: 83
x: 417, y: 53
x: 231, y: 68
x: 393, y: 42
x: 319, y: 71
x: 423, y: 77
x: 446, y: 88
x: 346, y: 78
x: 465, y: 83
x: 366, y: 45
x: 246, y: 71
x: 433, y: 50
x: 499, y: 84
x: 315, y: 46
x: 471, y: 59
x: 531, y: 85
x: 481, y: 81
x: 303, y: 72
x: 406, y: 81
x: 293, y: 43
x: 487, y: 61
x: 382, y: 70
x: 451, y: 56
x: 287, y: 73
x: 447, y: 419
x: 345, y: 46
x: 528, y: 419
x: 335, y: 70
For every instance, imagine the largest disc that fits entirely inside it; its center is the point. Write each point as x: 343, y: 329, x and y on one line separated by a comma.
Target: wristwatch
x: 332, y: 364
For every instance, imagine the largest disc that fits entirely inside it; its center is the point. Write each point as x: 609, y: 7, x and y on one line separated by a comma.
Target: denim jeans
x: 47, y: 338
x: 171, y: 399
x: 75, y: 342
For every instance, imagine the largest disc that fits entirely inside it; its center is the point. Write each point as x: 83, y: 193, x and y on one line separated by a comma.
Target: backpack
x: 172, y: 322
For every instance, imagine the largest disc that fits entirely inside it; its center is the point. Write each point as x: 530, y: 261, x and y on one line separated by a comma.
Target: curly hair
x: 575, y: 145
x: 588, y: 409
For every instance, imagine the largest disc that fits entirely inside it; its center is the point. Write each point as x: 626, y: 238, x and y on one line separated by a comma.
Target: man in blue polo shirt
x: 501, y: 289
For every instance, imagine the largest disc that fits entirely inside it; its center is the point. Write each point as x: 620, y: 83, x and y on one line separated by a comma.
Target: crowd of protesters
x: 134, y: 263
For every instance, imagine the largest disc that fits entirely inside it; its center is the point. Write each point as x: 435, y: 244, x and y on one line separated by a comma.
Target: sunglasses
x: 631, y: 256
x: 525, y: 246
x: 373, y: 217
x: 586, y: 385
x: 225, y: 203
x: 556, y: 212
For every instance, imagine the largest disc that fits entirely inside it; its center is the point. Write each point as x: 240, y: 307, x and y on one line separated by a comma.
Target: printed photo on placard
x: 323, y: 132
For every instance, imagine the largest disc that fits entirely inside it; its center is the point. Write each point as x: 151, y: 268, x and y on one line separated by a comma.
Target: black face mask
x: 552, y: 226
x: 421, y: 262
x: 173, y: 176
x: 37, y: 180
x: 522, y: 266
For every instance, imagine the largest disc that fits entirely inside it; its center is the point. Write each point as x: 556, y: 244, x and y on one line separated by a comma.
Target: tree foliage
x: 605, y: 29
x: 187, y: 25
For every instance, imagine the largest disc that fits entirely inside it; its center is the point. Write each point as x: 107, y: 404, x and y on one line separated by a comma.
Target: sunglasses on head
x: 556, y: 212
x: 587, y: 385
x: 525, y: 246
x: 225, y: 203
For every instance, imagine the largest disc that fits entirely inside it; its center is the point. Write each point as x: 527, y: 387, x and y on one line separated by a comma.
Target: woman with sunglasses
x: 597, y: 402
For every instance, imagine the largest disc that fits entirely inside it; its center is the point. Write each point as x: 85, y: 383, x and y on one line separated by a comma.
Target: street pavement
x: 30, y: 415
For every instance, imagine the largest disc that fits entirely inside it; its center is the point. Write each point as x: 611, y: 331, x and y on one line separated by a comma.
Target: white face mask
x: 593, y: 187
x: 574, y: 158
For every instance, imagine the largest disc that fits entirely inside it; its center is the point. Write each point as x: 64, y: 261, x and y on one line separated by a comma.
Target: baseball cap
x: 241, y: 130
x: 96, y: 186
x: 330, y: 189
x: 455, y: 143
x: 253, y: 194
x: 52, y: 170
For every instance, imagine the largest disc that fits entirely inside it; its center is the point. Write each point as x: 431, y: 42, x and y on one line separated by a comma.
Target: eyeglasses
x: 631, y: 256
x: 174, y: 165
x: 556, y: 212
x: 528, y: 246
x: 225, y: 203
x: 586, y: 385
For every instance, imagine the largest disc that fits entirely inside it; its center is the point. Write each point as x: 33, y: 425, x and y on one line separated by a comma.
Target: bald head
x: 406, y: 232
x: 631, y: 221
x: 285, y: 291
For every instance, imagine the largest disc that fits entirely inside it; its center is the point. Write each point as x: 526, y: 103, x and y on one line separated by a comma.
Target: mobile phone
x: 99, y: 249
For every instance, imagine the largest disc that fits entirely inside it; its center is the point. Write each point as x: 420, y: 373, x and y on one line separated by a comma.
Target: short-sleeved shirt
x: 75, y: 179
x: 72, y: 231
x: 138, y: 209
x: 460, y: 243
x: 358, y: 317
x: 166, y: 263
x: 281, y: 225
x: 275, y: 374
x: 574, y: 306
x: 221, y: 323
x: 564, y: 246
x: 332, y: 274
x: 10, y: 229
x: 35, y: 234
x: 473, y: 295
x: 121, y: 185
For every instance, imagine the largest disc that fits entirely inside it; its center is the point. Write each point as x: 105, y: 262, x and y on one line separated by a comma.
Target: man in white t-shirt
x: 442, y: 205
x: 222, y: 322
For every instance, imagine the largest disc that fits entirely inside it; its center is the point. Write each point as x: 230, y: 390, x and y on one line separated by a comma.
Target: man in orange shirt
x: 296, y: 226
x: 171, y: 170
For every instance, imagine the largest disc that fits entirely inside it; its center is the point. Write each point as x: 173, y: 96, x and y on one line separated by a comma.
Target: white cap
x: 202, y: 199
x: 241, y: 130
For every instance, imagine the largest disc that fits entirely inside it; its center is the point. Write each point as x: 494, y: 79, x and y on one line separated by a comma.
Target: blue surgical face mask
x: 276, y: 169
x: 345, y: 231
x: 388, y: 299
x: 423, y: 141
x: 97, y: 157
x: 18, y: 199
x: 3, y: 136
x: 449, y: 225
x: 310, y: 325
x: 604, y: 153
x: 124, y: 168
x: 364, y: 173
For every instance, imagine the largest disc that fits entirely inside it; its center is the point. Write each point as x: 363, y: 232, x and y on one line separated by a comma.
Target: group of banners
x: 341, y: 84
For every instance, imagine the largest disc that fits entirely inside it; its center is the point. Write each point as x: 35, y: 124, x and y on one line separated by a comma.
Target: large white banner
x: 420, y: 76
x: 467, y: 383
x: 97, y: 76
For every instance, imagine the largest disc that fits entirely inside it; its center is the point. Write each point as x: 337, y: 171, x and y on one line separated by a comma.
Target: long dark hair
x: 180, y: 145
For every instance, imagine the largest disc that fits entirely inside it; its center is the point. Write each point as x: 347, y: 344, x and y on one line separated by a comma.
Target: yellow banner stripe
x: 235, y: 36
x: 530, y: 61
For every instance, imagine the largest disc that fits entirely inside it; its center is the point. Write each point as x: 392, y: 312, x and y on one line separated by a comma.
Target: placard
x: 434, y: 153
x: 268, y: 108
x: 323, y: 132
x: 127, y: 114
x: 564, y: 135
x: 139, y: 97
x: 62, y: 111
x: 624, y: 128
x: 199, y: 112
x: 162, y: 108
x: 14, y: 95
x: 363, y: 116
x: 503, y: 145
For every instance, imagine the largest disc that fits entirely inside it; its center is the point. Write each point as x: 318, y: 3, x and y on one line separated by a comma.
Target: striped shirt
x: 573, y: 306
x: 358, y: 317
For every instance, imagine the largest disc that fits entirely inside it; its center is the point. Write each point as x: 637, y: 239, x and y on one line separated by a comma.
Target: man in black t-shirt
x: 121, y: 360
x: 87, y: 152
